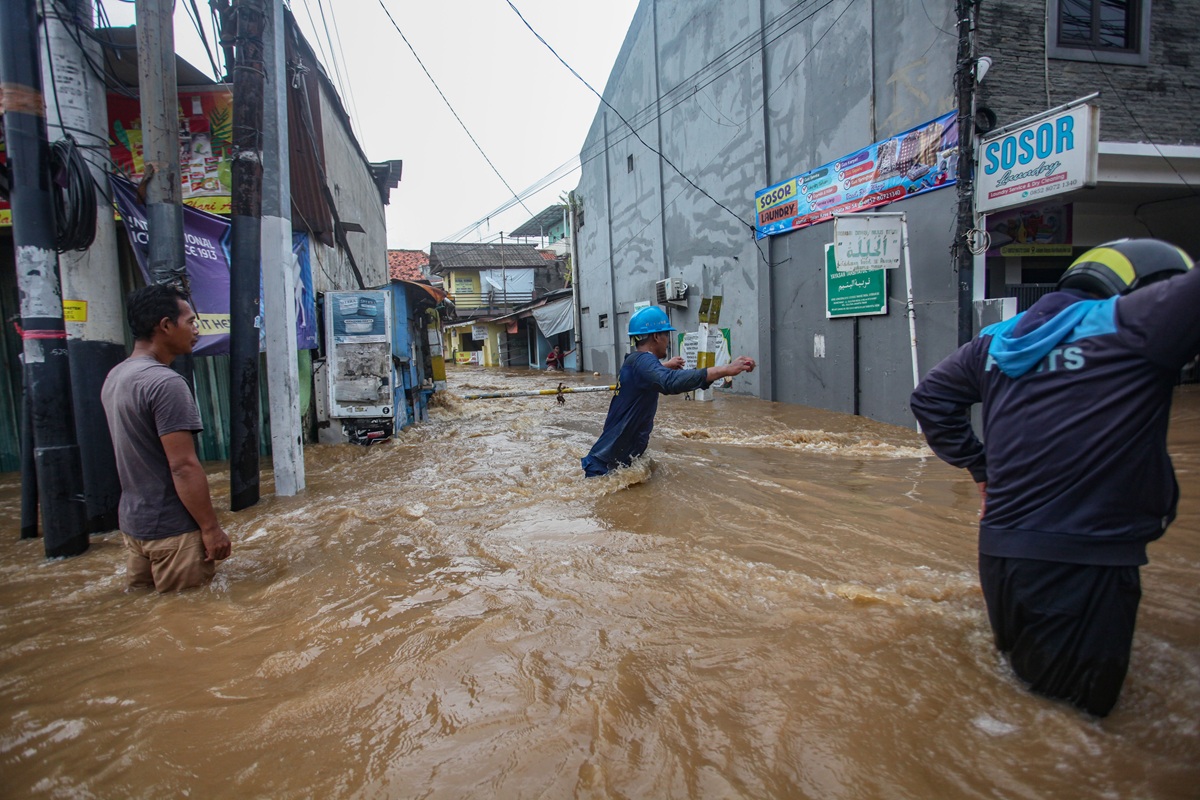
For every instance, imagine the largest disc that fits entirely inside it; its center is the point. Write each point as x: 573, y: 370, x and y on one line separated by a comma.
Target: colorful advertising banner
x: 358, y: 317
x: 205, y: 143
x: 1043, y: 229
x: 918, y: 160
x: 206, y: 248
x: 1030, y: 161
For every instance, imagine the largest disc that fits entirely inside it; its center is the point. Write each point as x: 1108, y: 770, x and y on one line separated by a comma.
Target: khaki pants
x: 167, y: 565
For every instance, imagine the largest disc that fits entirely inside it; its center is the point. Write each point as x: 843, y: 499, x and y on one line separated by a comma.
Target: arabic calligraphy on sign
x: 867, y: 241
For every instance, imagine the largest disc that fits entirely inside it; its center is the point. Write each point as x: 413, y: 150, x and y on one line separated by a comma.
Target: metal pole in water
x: 539, y: 392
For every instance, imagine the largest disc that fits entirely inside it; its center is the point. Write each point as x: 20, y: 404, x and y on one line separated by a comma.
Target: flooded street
x: 783, y: 604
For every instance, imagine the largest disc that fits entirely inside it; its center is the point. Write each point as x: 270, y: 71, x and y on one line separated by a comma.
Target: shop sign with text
x: 853, y: 294
x: 1047, y: 156
x: 918, y: 160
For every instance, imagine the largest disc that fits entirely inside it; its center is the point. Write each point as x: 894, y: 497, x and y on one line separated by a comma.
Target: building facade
x: 709, y: 103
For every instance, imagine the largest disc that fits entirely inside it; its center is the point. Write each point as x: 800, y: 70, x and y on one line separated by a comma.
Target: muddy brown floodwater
x: 783, y: 604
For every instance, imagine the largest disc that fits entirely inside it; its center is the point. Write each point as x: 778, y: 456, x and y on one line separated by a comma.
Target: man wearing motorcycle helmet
x: 1073, y: 467
x: 643, y: 378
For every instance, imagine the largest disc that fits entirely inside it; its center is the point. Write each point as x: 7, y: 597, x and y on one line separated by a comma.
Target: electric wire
x: 452, y: 111
x: 666, y: 160
x: 344, y: 86
x: 688, y: 87
x: 613, y: 108
x: 558, y: 173
x: 1138, y: 123
x: 350, y: 84
x: 313, y: 26
x: 74, y: 26
x: 74, y: 198
x: 74, y: 187
x: 193, y: 13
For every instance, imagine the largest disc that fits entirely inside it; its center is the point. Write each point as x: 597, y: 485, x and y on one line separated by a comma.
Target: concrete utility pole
x: 158, y: 93
x: 91, y: 280
x: 573, y: 231
x: 964, y: 76
x: 159, y: 97
x: 246, y: 210
x: 47, y: 373
x: 279, y: 273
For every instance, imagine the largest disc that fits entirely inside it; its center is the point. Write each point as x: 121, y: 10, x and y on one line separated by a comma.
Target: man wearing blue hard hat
x: 1073, y: 467
x: 643, y: 378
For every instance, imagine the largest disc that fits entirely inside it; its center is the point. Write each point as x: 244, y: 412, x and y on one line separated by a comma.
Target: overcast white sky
x: 527, y: 112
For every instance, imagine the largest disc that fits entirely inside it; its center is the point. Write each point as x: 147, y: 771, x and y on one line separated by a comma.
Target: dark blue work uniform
x: 631, y: 413
x: 1076, y: 396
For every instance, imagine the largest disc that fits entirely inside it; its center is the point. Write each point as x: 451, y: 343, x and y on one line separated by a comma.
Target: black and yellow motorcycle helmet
x: 1124, y: 266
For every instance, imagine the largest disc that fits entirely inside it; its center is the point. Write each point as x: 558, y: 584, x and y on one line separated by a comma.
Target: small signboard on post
x: 866, y: 241
x: 853, y: 294
x: 718, y: 346
x: 710, y: 309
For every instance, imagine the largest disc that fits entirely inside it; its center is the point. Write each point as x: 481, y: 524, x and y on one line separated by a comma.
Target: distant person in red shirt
x: 555, y: 359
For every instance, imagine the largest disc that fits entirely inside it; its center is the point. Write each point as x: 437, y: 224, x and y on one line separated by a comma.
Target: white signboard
x: 1044, y: 157
x: 866, y: 241
x: 718, y: 344
x: 479, y: 333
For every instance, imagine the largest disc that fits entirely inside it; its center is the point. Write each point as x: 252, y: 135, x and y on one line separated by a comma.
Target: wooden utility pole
x: 279, y: 273
x: 249, y: 18
x: 964, y: 78
x: 57, y: 467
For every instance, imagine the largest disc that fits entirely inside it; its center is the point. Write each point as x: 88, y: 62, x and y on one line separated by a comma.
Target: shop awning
x: 437, y: 294
x: 555, y: 318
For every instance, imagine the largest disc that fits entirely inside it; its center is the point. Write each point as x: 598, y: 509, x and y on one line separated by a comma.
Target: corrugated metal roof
x: 119, y: 48
x: 445, y: 256
x: 541, y: 223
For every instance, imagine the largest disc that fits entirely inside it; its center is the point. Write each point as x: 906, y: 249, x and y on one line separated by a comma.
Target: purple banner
x: 206, y: 248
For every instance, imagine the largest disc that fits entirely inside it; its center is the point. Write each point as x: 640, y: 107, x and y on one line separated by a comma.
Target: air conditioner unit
x: 670, y: 290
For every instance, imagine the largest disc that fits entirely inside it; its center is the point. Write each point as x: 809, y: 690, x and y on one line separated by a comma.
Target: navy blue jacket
x: 631, y: 412
x: 1076, y: 396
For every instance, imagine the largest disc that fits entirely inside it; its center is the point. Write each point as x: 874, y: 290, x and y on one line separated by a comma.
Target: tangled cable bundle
x: 75, y: 198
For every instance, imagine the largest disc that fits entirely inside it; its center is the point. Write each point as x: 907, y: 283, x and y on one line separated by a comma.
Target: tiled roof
x: 407, y: 265
x: 549, y: 255
x: 464, y: 255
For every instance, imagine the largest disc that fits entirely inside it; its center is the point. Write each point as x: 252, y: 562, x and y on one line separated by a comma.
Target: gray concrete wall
x: 1156, y: 102
x: 835, y: 81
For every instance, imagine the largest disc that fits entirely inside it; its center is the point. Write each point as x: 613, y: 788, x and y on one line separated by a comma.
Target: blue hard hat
x: 650, y: 319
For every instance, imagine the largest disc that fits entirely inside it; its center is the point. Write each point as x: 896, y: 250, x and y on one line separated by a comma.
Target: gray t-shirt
x: 143, y: 400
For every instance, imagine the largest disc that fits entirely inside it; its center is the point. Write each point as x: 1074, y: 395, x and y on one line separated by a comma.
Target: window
x: 604, y: 320
x: 629, y: 163
x: 1107, y: 31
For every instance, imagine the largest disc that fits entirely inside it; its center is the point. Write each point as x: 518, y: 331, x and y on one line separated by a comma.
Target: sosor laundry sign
x: 915, y: 161
x: 1046, y: 155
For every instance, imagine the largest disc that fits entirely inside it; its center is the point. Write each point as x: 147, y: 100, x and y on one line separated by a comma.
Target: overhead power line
x: 687, y: 89
x: 609, y: 105
x: 452, y: 111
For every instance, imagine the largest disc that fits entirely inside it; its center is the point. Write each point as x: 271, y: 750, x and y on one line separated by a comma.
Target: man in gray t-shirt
x: 171, y: 533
